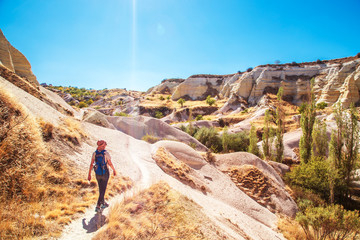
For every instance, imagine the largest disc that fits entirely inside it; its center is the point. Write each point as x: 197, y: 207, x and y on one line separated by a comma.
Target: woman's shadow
x: 96, y: 222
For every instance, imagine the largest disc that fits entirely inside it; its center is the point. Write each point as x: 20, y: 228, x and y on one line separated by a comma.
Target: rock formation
x: 335, y: 81
x: 15, y: 61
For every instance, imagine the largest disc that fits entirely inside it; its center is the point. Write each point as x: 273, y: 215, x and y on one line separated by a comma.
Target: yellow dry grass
x: 289, y: 109
x: 157, y: 213
x: 176, y: 168
x: 290, y: 228
x: 154, y: 101
x: 254, y: 183
x: 39, y: 192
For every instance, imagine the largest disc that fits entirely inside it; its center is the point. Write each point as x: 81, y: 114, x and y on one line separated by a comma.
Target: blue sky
x: 135, y: 44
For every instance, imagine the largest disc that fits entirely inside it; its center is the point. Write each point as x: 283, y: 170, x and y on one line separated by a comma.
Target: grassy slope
x: 39, y: 192
x: 158, y: 213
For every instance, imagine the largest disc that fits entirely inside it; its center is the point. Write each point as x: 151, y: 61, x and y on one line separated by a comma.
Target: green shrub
x: 313, y: 175
x: 199, y: 117
x: 89, y: 102
x: 246, y: 110
x: 82, y: 105
x: 209, y: 100
x: 121, y: 114
x: 159, y: 114
x: 150, y: 138
x: 330, y: 222
x: 321, y: 105
x: 221, y: 122
x: 235, y: 142
x: 239, y: 142
x: 181, y: 101
x: 189, y: 129
x: 161, y: 98
x: 210, y: 138
x: 249, y: 69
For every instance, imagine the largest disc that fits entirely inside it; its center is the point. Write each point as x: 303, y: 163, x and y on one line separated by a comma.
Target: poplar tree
x: 351, y: 143
x: 320, y: 140
x: 280, y: 115
x: 253, y: 147
x: 308, y: 114
x: 344, y: 147
x: 267, y: 136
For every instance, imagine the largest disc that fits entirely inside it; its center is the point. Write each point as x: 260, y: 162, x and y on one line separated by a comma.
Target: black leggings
x: 102, y: 182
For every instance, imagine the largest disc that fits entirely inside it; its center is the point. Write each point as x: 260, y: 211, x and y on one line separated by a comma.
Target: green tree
x: 267, y: 136
x: 225, y: 140
x: 209, y: 100
x: 280, y: 115
x: 181, y: 101
x: 253, y: 147
x: 344, y: 149
x: 308, y: 114
x: 320, y: 139
x: 351, y: 145
x: 313, y: 175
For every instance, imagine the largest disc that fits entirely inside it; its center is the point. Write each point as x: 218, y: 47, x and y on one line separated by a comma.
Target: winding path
x: 86, y: 226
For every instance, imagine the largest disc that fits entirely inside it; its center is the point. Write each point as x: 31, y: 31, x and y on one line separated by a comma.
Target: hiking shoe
x: 104, y: 205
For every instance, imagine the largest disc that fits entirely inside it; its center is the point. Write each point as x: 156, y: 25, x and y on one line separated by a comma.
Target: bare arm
x: 91, y: 166
x: 108, y: 159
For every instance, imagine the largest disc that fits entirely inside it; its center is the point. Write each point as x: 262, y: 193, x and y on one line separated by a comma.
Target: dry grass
x: 291, y: 229
x: 20, y: 82
x: 173, y: 167
x: 289, y: 109
x: 176, y: 168
x: 72, y: 131
x: 254, y: 183
x: 150, y: 138
x: 39, y: 192
x: 154, y: 101
x: 158, y: 213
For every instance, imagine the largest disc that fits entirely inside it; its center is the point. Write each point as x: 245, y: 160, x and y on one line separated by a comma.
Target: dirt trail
x: 86, y: 226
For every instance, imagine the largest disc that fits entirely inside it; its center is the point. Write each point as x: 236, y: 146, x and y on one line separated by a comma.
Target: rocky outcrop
x: 184, y: 113
x: 259, y: 180
x: 167, y: 86
x: 336, y: 80
x: 15, y: 61
x: 140, y: 126
x: 198, y: 87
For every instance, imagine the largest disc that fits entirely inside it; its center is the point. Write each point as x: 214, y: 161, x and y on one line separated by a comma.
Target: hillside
x: 177, y: 178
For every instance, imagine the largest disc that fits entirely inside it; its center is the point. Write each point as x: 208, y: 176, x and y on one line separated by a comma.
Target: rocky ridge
x: 15, y: 61
x: 334, y: 81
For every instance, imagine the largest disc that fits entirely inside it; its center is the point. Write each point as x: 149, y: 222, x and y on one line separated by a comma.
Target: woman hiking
x: 101, y: 158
